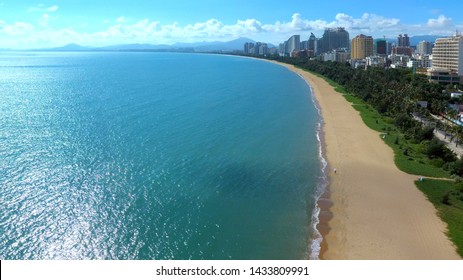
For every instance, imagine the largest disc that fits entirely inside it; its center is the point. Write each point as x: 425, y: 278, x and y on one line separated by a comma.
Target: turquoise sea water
x: 155, y: 156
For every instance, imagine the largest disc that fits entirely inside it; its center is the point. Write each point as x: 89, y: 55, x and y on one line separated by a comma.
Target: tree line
x: 395, y: 93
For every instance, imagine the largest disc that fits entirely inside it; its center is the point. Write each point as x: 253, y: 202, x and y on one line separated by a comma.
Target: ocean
x: 156, y: 156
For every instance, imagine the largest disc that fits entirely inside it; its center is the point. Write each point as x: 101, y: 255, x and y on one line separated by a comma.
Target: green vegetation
x: 447, y: 197
x: 409, y: 156
x: 386, y: 100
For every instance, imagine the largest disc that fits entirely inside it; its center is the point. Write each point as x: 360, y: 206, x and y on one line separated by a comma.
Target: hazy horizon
x: 30, y: 24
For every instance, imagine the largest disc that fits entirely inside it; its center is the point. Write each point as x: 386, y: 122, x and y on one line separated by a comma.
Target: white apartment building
x: 448, y: 54
x: 424, y: 48
x: 294, y: 44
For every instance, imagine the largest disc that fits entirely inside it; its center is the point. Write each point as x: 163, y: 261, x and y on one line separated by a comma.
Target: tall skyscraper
x: 312, y: 45
x: 448, y: 54
x: 380, y: 47
x: 334, y: 38
x: 293, y: 44
x: 248, y: 48
x: 403, y: 41
x: 362, y: 47
x: 403, y: 46
x: 424, y: 47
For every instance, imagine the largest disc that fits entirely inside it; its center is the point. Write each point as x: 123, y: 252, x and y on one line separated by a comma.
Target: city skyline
x: 37, y: 24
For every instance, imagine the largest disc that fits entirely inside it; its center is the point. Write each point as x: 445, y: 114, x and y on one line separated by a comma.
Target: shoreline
x: 370, y: 209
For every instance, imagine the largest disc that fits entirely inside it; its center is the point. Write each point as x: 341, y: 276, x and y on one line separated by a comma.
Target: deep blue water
x: 155, y: 156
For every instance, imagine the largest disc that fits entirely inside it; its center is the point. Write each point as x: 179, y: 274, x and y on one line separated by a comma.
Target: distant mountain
x: 232, y: 45
x: 216, y: 46
x: 194, y: 45
x: 69, y: 48
x: 414, y: 40
x: 133, y: 47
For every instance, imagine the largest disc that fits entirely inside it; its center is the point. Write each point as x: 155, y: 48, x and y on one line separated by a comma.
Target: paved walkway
x: 444, y: 136
x: 450, y: 144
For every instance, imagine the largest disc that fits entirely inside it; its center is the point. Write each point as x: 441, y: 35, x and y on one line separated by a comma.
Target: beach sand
x: 375, y: 210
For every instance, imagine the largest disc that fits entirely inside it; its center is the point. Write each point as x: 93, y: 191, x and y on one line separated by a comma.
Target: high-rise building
x: 362, y: 47
x: 312, y: 45
x: 403, y: 41
x: 248, y: 48
x: 380, y: 47
x: 424, y: 47
x: 262, y: 48
x: 294, y: 44
x: 388, y: 48
x: 255, y: 49
x: 282, y: 48
x: 448, y: 54
x: 403, y: 46
x: 304, y: 45
x: 334, y: 38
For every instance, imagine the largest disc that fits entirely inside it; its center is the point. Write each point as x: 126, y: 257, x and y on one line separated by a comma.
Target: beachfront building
x: 334, y: 38
x: 262, y: 48
x: 448, y: 53
x: 248, y: 48
x: 443, y: 76
x: 292, y: 45
x: 312, y: 45
x: 447, y: 60
x: 339, y: 55
x: 362, y: 47
x: 255, y: 48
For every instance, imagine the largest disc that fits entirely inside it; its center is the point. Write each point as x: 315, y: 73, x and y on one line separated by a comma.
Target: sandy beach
x: 375, y: 210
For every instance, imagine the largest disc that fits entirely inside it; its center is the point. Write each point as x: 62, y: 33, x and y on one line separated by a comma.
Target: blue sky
x: 48, y: 23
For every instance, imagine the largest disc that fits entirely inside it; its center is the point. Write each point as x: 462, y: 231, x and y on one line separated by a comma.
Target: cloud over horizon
x: 123, y: 29
x: 43, y: 9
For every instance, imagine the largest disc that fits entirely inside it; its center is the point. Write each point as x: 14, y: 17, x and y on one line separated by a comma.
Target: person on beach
x: 334, y: 170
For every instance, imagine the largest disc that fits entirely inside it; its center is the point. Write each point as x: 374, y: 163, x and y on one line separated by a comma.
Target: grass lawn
x: 409, y: 157
x: 450, y: 212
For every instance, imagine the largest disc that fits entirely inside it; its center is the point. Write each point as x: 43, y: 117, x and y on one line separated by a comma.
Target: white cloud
x: 367, y: 23
x: 441, y: 21
x: 121, y: 19
x: 16, y: 29
x: 43, y: 9
x: 43, y: 21
x: 123, y: 30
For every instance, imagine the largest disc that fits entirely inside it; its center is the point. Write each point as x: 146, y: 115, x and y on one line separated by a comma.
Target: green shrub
x: 437, y: 162
x: 456, y: 167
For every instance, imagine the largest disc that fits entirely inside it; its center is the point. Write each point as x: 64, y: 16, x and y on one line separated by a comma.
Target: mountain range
x: 414, y: 40
x: 215, y: 46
